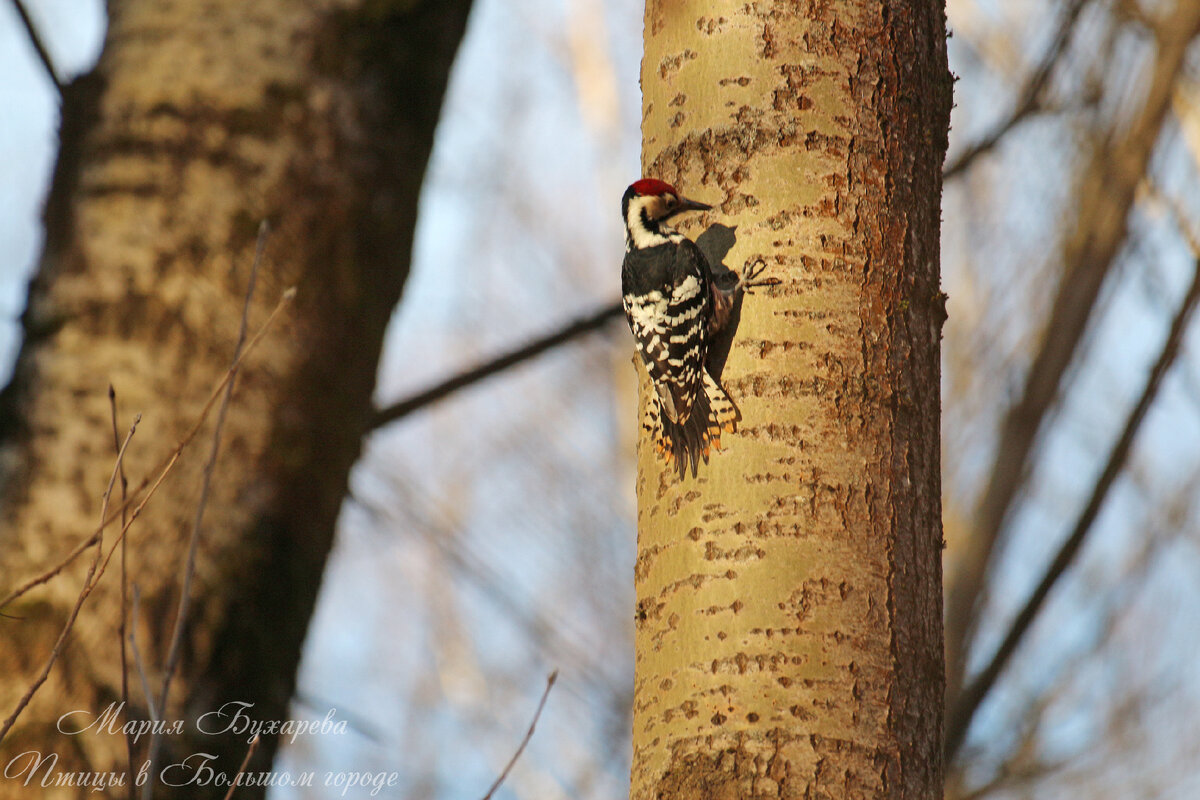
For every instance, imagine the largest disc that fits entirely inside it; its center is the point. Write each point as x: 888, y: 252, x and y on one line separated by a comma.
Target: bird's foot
x: 751, y: 277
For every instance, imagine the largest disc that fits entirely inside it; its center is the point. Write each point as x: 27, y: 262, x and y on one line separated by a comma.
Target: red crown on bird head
x: 647, y: 187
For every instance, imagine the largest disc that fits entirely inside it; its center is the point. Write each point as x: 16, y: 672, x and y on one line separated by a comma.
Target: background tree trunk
x: 199, y: 121
x: 789, y: 635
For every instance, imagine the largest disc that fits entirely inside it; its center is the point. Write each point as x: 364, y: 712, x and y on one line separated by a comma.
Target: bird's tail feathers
x: 684, y: 444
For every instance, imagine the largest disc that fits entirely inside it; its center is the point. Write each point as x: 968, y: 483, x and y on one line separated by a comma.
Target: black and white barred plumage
x: 672, y: 309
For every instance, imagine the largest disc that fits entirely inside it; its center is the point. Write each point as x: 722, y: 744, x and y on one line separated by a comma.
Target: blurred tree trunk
x: 200, y: 120
x: 789, y: 634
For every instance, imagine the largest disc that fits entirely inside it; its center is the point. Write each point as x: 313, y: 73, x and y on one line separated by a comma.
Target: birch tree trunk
x: 200, y: 120
x: 789, y: 620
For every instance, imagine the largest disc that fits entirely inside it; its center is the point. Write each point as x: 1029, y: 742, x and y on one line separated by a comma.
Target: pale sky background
x: 530, y: 519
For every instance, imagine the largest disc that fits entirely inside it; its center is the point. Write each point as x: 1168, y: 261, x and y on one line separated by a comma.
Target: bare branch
x: 1030, y: 99
x: 137, y: 658
x: 112, y: 405
x: 150, y: 483
x: 242, y: 769
x: 57, y: 568
x: 38, y: 47
x: 528, y: 735
x: 89, y: 583
x: 431, y: 395
x: 185, y: 592
x: 963, y: 711
x: 1106, y: 194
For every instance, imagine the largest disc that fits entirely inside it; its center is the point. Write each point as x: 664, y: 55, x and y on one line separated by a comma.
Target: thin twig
x: 139, y: 665
x: 38, y: 47
x: 112, y: 405
x: 417, y: 401
x: 242, y: 769
x: 97, y: 536
x: 959, y: 720
x: 287, y: 298
x: 88, y: 585
x: 1030, y: 97
x: 57, y: 568
x: 156, y: 476
x: 528, y: 735
x: 185, y: 592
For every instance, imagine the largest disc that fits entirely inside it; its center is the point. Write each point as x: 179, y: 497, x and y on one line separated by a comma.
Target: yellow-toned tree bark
x: 200, y: 120
x: 789, y: 628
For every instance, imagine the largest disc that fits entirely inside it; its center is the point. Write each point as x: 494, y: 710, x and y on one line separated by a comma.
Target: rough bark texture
x: 789, y: 628
x: 200, y: 120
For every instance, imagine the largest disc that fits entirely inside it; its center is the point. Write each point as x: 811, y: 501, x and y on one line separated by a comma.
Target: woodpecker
x: 674, y: 307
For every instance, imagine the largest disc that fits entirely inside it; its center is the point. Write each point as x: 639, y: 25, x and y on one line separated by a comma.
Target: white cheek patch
x: 639, y: 235
x: 643, y: 238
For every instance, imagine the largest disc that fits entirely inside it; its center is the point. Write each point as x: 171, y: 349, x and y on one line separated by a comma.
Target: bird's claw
x: 749, y: 281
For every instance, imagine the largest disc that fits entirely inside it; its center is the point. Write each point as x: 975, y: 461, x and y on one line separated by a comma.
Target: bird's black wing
x: 667, y: 301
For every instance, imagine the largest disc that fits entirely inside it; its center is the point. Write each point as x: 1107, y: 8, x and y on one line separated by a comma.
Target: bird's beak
x: 689, y: 205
